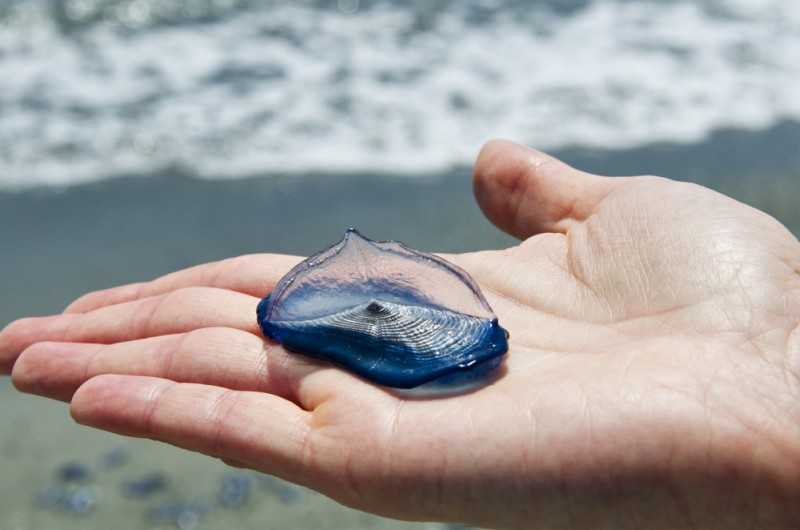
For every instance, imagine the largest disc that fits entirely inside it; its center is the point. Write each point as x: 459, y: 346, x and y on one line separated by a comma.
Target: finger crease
x: 87, y: 369
x: 212, y: 275
x: 166, y: 353
x: 217, y: 414
x: 261, y: 369
x: 67, y: 335
x: 151, y: 406
x: 140, y: 291
x: 147, y: 323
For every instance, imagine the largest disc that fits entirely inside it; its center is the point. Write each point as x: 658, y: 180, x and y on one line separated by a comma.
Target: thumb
x: 526, y: 192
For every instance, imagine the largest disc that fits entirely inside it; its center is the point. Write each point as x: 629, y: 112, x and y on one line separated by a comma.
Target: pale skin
x: 652, y: 381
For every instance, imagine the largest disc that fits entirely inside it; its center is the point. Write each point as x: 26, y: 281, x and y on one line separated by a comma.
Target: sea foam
x: 101, y: 89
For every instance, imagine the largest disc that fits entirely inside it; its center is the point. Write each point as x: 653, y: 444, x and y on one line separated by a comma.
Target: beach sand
x: 57, y: 244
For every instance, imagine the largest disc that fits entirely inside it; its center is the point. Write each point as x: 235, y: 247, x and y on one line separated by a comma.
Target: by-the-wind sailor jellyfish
x: 393, y: 315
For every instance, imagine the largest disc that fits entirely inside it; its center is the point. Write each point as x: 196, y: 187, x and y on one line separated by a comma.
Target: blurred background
x: 143, y: 136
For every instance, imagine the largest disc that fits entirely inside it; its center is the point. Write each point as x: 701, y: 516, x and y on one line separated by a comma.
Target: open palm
x: 653, y: 376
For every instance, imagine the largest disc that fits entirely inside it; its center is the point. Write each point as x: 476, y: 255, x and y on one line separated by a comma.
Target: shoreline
x: 60, y: 244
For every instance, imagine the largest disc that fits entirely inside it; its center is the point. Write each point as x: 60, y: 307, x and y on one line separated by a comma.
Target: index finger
x: 254, y: 274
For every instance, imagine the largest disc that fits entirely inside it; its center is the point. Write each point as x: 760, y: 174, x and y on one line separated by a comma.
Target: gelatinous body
x: 391, y: 314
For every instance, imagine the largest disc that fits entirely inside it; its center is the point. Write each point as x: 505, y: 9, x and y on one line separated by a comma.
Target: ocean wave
x: 92, y: 89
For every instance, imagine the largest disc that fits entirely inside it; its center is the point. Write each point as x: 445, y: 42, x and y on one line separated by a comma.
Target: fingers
x: 255, y: 275
x: 222, y: 357
x: 21, y: 333
x: 525, y: 192
x: 174, y: 312
x: 263, y: 430
x: 217, y: 356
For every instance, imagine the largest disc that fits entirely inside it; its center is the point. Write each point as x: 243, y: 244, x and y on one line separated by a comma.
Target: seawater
x: 93, y: 89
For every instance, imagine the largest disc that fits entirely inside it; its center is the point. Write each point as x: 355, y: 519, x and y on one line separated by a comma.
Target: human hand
x: 653, y: 376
